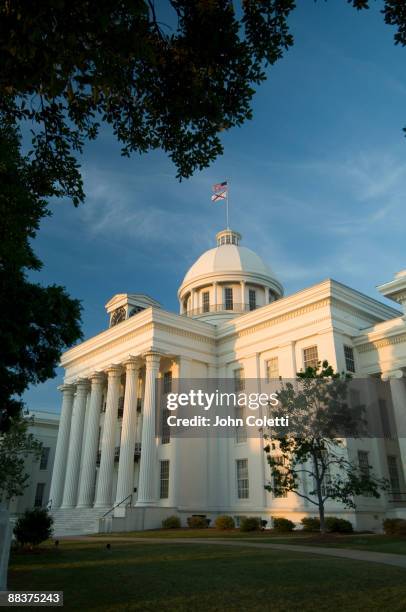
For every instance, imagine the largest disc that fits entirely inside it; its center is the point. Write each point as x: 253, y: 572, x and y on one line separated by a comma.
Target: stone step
x: 76, y: 521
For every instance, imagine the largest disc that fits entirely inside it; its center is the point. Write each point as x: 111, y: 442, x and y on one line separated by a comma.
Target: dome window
x: 228, y: 237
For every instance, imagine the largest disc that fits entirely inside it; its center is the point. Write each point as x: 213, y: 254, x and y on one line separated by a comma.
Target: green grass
x: 373, y: 543
x: 178, y: 577
x: 198, y: 533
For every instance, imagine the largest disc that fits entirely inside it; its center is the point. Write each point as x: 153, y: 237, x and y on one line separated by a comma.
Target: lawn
x: 178, y: 578
x: 195, y: 533
x: 372, y: 542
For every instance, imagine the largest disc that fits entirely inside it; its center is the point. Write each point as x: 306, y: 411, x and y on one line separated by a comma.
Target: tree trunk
x: 321, y: 517
x: 319, y: 494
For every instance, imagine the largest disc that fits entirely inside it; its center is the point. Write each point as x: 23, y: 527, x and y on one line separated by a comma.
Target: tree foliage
x: 67, y: 67
x: 170, y: 75
x: 16, y: 445
x: 320, y: 413
x: 37, y: 322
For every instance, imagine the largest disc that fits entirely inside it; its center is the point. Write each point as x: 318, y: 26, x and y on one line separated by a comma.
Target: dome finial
x: 228, y: 236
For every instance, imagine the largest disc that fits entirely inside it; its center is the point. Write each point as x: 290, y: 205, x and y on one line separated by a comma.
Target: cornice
x: 377, y: 344
x: 276, y: 320
x: 147, y: 321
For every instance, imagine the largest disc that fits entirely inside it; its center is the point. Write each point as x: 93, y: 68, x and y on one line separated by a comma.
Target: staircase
x: 76, y: 521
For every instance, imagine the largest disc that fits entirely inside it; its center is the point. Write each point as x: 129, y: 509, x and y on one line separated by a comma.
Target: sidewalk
x: 357, y: 555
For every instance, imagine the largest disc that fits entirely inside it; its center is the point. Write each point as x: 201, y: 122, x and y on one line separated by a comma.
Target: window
x: 363, y: 463
x: 44, y: 458
x: 239, y: 383
x: 349, y: 358
x: 228, y: 298
x: 167, y: 382
x: 252, y: 299
x: 164, y: 480
x: 39, y: 495
x: 280, y: 461
x: 166, y: 430
x: 206, y: 301
x: 242, y: 479
x: 310, y: 357
x: 271, y: 296
x: 240, y: 430
x: 272, y: 368
x: 394, y: 477
x: 385, y: 423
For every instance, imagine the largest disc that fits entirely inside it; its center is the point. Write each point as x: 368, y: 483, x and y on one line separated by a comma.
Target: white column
x: 61, y: 453
x: 105, y: 481
x: 125, y: 482
x: 398, y: 392
x: 266, y: 290
x: 88, y: 474
x: 147, y: 480
x: 75, y: 445
x: 242, y: 294
x: 215, y: 296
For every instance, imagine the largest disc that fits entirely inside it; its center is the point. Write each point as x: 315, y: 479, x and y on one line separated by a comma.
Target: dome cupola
x: 227, y: 281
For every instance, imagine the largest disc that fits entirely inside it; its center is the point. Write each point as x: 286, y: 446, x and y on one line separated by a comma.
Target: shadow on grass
x: 177, y: 577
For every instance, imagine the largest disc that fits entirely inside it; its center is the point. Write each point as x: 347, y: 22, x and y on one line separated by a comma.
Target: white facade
x: 45, y: 429
x: 233, y: 316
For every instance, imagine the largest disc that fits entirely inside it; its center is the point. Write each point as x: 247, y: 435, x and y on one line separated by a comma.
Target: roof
x: 228, y: 258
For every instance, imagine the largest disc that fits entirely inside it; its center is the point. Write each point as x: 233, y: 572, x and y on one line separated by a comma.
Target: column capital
x: 82, y: 384
x: 132, y: 363
x: 97, y: 378
x: 152, y: 359
x: 114, y: 370
x: 390, y: 374
x: 67, y: 389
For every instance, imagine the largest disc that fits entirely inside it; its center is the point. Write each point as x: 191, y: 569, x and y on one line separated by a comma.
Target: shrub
x: 197, y: 522
x: 34, y: 527
x: 224, y: 522
x: 338, y: 525
x: 394, y: 526
x: 250, y: 523
x: 171, y: 522
x: 283, y: 524
x: 310, y: 523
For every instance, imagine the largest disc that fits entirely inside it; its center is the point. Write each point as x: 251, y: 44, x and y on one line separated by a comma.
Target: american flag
x: 219, y: 192
x: 220, y: 187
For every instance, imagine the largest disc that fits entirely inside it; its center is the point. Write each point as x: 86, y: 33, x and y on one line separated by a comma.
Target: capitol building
x: 113, y: 472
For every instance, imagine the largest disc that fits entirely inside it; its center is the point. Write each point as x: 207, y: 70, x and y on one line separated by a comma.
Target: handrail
x: 116, y: 506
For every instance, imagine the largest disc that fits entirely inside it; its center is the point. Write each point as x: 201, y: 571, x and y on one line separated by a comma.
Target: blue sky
x: 318, y: 181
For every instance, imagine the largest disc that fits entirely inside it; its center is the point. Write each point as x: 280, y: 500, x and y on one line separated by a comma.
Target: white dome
x: 227, y: 258
x: 227, y: 281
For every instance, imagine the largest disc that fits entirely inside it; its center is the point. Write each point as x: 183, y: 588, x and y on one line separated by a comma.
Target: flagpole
x: 227, y: 218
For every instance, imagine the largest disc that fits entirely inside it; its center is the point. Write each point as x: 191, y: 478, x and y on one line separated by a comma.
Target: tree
x: 15, y: 446
x: 171, y: 74
x: 320, y: 414
x: 34, y: 527
x: 37, y: 322
x: 67, y: 67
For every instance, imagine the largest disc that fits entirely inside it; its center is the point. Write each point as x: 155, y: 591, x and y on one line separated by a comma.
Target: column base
x: 102, y: 505
x: 146, y: 503
x: 84, y: 506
